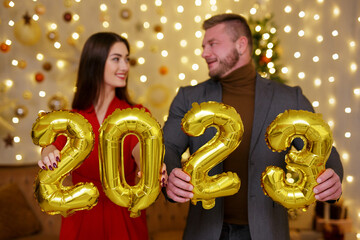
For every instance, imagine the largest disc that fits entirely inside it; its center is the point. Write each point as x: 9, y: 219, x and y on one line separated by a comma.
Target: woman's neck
x: 103, y: 103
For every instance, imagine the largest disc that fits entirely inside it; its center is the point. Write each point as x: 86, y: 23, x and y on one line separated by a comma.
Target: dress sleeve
x: 60, y: 142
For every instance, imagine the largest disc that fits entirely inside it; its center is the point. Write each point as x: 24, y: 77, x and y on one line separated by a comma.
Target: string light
x: 103, y: 7
x: 163, y: 19
x: 141, y: 60
x: 182, y: 76
x: 332, y: 101
x: 164, y: 53
x: 143, y: 7
x: 315, y: 104
x: 193, y: 82
x: 297, y: 54
x: 147, y: 24
x: 317, y: 82
x: 197, y: 52
x: 287, y: 29
x: 335, y: 33
x: 143, y: 78
x: 42, y: 94
x: 349, y: 179
x: 40, y: 56
x: 180, y: 9
x: 301, y: 75
x: 177, y: 26
x: 319, y: 38
x: 195, y: 67
x: 287, y: 9
x: 15, y: 120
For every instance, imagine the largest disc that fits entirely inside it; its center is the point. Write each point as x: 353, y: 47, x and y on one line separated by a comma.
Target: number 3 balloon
x: 230, y: 130
x: 111, y: 135
x: 308, y: 163
x: 53, y: 197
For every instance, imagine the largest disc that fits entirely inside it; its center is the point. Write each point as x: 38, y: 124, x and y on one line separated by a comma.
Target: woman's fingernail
x: 50, y: 167
x: 55, y: 166
x: 57, y: 159
x: 164, y: 172
x: 43, y: 167
x: 163, y: 180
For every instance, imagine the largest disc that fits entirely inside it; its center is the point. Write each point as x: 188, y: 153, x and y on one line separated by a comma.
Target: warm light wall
x: 319, y: 46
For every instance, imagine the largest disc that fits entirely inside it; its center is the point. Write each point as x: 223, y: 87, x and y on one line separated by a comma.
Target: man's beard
x: 225, y: 64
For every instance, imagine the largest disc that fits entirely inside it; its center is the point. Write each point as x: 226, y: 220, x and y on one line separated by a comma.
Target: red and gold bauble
x: 67, y: 17
x: 4, y: 47
x: 39, y: 77
x: 163, y: 70
x: 47, y: 66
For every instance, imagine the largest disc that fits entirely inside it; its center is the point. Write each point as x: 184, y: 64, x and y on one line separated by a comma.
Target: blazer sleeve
x: 333, y: 161
x: 175, y: 140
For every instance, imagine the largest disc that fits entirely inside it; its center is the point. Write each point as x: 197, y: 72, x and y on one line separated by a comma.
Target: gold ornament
x: 230, y: 130
x: 125, y: 13
x: 27, y: 95
x: 27, y: 31
x: 52, y: 196
x: 158, y: 95
x: 306, y: 164
x: 22, y: 64
x: 57, y: 102
x: 40, y: 9
x: 21, y: 111
x: 53, y: 36
x: 111, y: 135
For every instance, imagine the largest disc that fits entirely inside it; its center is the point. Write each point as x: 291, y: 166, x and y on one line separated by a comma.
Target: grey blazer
x: 267, y: 219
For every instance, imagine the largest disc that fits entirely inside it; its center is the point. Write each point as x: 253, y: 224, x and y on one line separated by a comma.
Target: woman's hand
x: 164, y: 176
x: 50, y: 156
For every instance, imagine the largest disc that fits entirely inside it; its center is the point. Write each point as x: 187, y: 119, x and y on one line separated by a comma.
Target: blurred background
x: 313, y: 44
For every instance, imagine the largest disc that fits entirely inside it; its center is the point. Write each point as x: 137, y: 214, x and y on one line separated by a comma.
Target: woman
x: 101, y: 88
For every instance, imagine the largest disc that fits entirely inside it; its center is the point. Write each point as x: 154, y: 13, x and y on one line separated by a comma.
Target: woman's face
x: 116, y: 66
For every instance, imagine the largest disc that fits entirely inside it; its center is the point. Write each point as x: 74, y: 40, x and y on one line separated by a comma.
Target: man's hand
x: 179, y: 187
x: 329, y: 186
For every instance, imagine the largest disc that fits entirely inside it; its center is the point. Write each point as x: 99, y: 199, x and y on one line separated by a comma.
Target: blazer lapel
x: 263, y: 99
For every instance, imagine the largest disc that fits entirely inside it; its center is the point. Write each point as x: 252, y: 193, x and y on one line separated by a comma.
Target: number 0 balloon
x: 52, y: 196
x: 307, y: 163
x: 228, y: 137
x: 111, y: 135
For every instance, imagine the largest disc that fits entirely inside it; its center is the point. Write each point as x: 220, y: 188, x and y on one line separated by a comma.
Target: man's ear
x: 241, y: 45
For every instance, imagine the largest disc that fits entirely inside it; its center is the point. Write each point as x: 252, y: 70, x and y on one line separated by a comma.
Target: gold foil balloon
x: 111, y: 135
x: 307, y: 163
x: 53, y: 197
x: 228, y: 137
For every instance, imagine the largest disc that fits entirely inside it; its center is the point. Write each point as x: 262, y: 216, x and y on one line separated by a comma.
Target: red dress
x: 106, y: 220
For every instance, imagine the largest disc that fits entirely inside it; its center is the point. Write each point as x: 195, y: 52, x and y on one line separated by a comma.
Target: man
x: 249, y: 214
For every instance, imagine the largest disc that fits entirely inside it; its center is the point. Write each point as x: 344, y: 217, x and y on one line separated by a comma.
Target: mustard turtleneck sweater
x: 238, y: 91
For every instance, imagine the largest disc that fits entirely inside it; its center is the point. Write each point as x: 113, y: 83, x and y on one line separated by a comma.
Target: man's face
x: 219, y: 52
